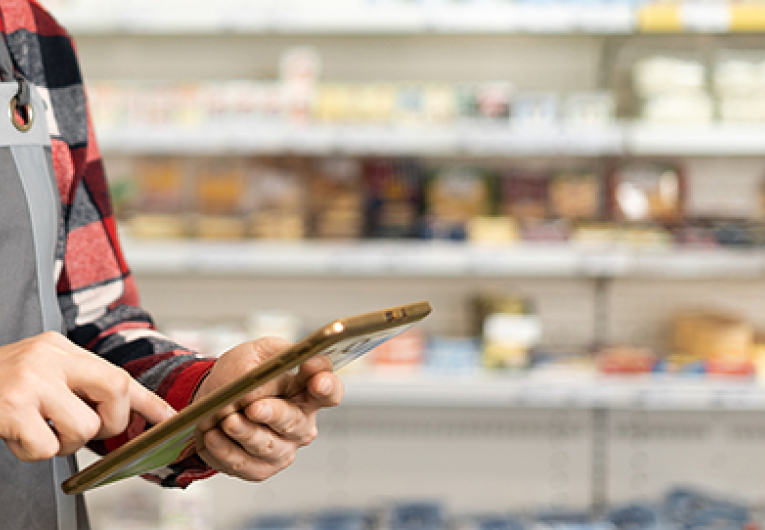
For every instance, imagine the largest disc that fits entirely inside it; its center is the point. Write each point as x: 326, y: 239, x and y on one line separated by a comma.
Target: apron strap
x: 8, y: 73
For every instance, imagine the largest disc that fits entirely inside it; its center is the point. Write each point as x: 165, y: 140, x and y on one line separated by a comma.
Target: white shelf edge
x: 701, y: 140
x: 557, y: 391
x: 503, y: 140
x: 487, y: 140
x: 434, y: 259
x: 557, y: 18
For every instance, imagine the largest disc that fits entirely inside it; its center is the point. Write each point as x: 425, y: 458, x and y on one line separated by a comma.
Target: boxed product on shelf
x: 337, y: 199
x: 487, y: 522
x: 277, y: 203
x: 679, y: 109
x: 219, y: 200
x: 160, y: 201
x: 635, y: 516
x: 673, y: 90
x: 509, y: 328
x: 588, y: 109
x: 695, y: 235
x: 569, y: 363
x: 403, y: 354
x: 647, y: 192
x: 453, y: 355
x: 413, y: 515
x: 494, y: 230
x: 576, y: 195
x: 493, y: 100
x: 739, y: 84
x: 525, y: 195
x: 613, y: 235
x: 663, y: 74
x: 540, y: 109
x: 705, y: 335
x: 680, y: 508
x: 716, y: 232
x: 410, y: 106
x: 274, y: 522
x: 355, y: 103
x: 340, y: 520
x: 302, y: 99
x: 710, y: 342
x: 626, y: 360
x: 546, y: 231
x: 596, y: 235
x: 454, y: 195
x: 394, y: 197
x: 689, y: 508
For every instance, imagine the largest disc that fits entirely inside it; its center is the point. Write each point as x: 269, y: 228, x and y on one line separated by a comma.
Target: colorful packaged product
x: 403, y: 354
x: 626, y: 360
x: 704, y: 335
x: 576, y: 195
x: 160, y: 199
x: 525, y: 195
x: 394, y: 189
x: 219, y: 194
x: 509, y: 328
x: 496, y: 230
x: 644, y: 192
x: 277, y: 205
x: 455, y: 194
x: 336, y: 199
x: 493, y: 100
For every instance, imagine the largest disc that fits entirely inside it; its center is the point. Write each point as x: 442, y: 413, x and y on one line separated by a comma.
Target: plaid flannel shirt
x: 96, y: 291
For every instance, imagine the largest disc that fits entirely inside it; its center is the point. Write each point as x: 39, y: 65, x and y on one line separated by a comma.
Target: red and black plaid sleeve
x: 96, y: 291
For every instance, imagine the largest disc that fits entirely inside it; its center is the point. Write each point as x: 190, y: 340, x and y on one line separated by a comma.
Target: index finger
x: 148, y: 404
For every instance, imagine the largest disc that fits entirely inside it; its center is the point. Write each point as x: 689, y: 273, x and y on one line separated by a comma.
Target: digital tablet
x: 342, y: 341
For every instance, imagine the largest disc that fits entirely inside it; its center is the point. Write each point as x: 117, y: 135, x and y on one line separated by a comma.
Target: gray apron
x: 30, y: 217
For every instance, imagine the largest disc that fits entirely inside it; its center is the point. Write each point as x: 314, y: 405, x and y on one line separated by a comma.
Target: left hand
x: 259, y: 435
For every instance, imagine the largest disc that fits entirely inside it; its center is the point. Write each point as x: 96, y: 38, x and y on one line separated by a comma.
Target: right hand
x: 56, y: 396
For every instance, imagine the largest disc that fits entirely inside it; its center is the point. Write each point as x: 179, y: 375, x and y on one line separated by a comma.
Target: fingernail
x: 170, y: 412
x: 325, y: 387
x: 264, y: 413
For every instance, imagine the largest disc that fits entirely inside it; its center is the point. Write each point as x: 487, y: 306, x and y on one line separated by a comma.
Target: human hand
x: 56, y: 396
x: 259, y: 435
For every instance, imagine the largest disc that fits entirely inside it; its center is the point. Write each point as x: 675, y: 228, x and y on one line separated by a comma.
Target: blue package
x: 563, y: 517
x: 341, y: 520
x: 634, y: 517
x: 490, y: 522
x: 272, y: 522
x: 416, y: 516
x: 448, y: 355
x: 692, y: 509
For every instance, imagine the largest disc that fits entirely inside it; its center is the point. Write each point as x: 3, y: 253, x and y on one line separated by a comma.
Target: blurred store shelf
x: 487, y: 140
x: 437, y: 259
x: 84, y: 17
x: 560, y: 390
x: 695, y: 140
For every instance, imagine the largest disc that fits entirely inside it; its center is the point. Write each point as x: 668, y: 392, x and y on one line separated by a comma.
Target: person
x: 80, y: 362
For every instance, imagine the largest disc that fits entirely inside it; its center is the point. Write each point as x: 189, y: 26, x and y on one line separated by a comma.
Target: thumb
x: 149, y: 405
